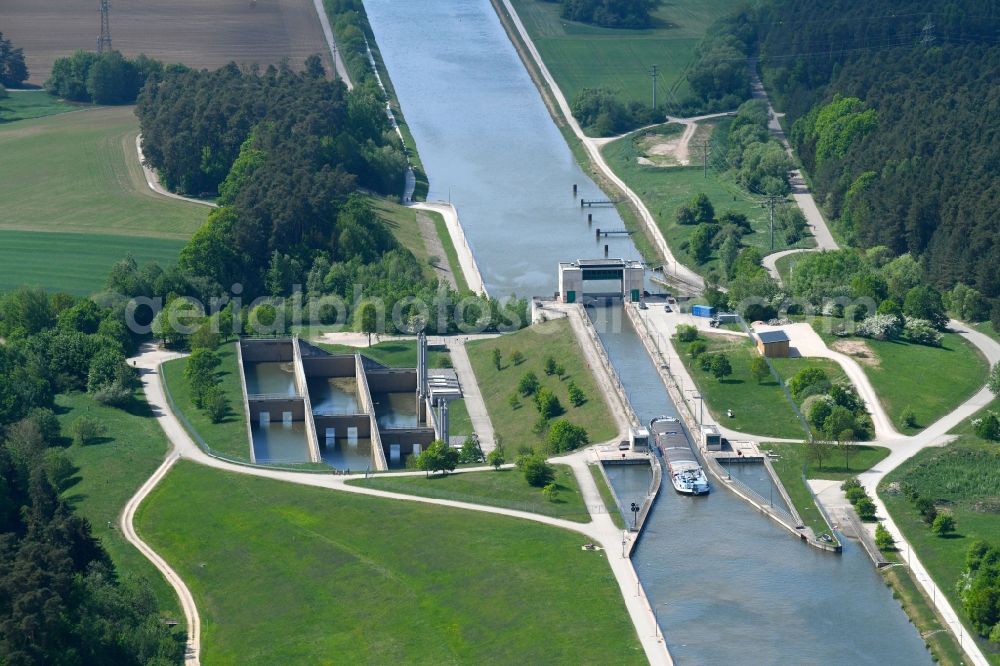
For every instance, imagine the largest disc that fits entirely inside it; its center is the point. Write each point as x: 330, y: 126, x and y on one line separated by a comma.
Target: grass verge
x: 504, y: 488
x: 230, y: 436
x: 789, y: 464
x: 329, y: 569
x: 109, y: 472
x: 536, y: 343
x: 610, y: 503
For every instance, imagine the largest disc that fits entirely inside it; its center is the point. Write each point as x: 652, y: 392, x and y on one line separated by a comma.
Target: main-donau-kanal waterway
x: 731, y: 587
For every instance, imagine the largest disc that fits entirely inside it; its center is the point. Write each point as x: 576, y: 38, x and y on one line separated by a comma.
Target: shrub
x: 516, y: 357
x: 514, y: 401
x: 547, y: 404
x: 943, y: 525
x: 697, y: 348
x: 880, y: 327
x: 528, y: 384
x: 921, y: 332
x: 883, y: 539
x: 705, y: 362
x: 926, y: 509
x: 909, y: 417
x: 865, y: 508
x: 215, y: 404
x: 987, y: 427
x: 551, y: 492
x: 808, y: 378
x: 495, y: 458
x: 550, y: 366
x: 564, y: 436
x: 576, y: 394
x: 87, y: 430
x: 687, y: 333
x: 850, y: 483
x: 855, y: 494
x: 536, y: 471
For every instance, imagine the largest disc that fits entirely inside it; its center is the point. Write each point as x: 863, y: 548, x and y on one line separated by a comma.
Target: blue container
x: 703, y: 311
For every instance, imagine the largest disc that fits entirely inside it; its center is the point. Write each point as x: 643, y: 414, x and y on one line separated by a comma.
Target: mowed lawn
x: 287, y: 574
x: 759, y: 408
x: 505, y: 488
x: 79, y: 172
x: 536, y: 343
x: 77, y: 264
x: 585, y: 56
x: 109, y: 472
x: 230, y: 436
x: 931, y: 380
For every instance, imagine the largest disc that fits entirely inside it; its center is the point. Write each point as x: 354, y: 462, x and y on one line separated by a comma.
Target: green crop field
x: 758, y: 408
x: 33, y: 104
x: 76, y: 177
x: 505, y: 488
x: 109, y: 472
x: 84, y: 261
x: 290, y: 574
x: 665, y: 189
x: 536, y: 343
x: 585, y: 56
x: 78, y: 172
x: 962, y: 478
x: 230, y: 436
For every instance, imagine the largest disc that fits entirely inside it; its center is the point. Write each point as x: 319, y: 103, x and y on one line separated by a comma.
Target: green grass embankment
x: 760, y: 408
x: 504, y: 488
x: 536, y: 343
x: 109, y: 472
x: 229, y: 437
x: 370, y: 580
x: 963, y: 479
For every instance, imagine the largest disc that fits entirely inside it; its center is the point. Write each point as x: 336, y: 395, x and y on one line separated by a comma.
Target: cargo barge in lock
x: 686, y: 474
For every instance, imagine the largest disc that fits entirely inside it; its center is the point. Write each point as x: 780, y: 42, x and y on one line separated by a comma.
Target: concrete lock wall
x: 341, y: 365
x: 341, y: 423
x: 406, y: 438
x: 392, y: 381
x: 256, y: 351
x: 276, y: 408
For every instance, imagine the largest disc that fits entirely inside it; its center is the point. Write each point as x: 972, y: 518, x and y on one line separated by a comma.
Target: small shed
x: 711, y: 437
x: 728, y: 318
x: 773, y: 344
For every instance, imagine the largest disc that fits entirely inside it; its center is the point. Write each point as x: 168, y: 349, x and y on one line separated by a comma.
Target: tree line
x: 61, y: 600
x: 874, y: 94
x: 13, y: 70
x: 103, y: 78
x: 631, y: 14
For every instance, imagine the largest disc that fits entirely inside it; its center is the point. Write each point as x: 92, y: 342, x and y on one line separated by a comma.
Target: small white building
x: 601, y: 273
x: 711, y: 438
x: 638, y: 440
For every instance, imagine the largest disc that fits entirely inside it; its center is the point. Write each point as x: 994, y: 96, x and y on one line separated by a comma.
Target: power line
x: 653, y: 73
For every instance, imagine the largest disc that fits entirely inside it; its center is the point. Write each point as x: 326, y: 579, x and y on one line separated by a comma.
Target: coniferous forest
x: 894, y: 110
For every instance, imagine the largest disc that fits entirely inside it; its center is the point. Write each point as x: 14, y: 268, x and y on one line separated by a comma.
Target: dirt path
x: 435, y: 249
x: 466, y: 260
x: 153, y: 179
x: 338, y: 62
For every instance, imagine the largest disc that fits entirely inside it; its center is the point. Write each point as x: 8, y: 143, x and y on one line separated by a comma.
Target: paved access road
x: 601, y: 530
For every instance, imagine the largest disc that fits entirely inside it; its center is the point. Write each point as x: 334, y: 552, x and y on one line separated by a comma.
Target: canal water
x: 730, y: 585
